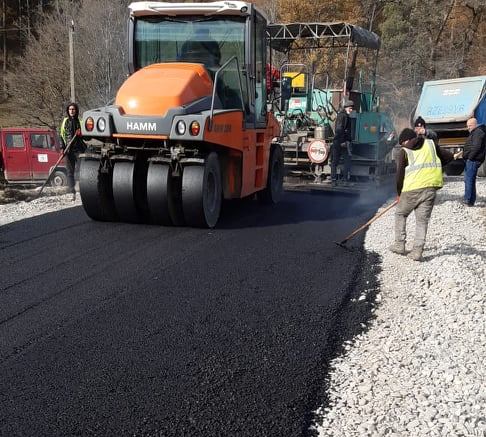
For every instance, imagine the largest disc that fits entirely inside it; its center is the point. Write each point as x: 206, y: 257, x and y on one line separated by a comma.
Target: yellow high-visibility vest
x: 63, y: 132
x: 424, y: 169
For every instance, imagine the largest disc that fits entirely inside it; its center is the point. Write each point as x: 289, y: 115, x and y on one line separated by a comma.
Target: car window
x: 14, y: 141
x: 39, y: 141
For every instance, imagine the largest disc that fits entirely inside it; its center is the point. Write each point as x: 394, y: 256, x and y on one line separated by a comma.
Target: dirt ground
x: 11, y: 195
x: 7, y: 116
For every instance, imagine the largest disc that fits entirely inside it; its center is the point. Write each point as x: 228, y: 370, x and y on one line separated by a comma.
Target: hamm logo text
x: 146, y: 126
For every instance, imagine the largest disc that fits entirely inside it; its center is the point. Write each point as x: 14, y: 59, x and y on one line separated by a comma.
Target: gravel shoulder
x: 20, y: 204
x: 418, y: 367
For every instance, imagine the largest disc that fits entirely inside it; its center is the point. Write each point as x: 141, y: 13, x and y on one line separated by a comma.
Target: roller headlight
x: 101, y: 125
x: 181, y: 127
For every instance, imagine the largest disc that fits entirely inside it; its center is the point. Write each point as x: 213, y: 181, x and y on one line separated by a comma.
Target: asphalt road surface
x: 119, y: 329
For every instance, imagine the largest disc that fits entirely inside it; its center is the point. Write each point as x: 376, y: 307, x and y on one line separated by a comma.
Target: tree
x: 426, y: 40
x: 421, y: 40
x: 39, y: 84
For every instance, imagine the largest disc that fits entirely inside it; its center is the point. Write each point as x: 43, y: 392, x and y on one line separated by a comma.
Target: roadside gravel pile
x: 419, y: 369
x: 18, y: 206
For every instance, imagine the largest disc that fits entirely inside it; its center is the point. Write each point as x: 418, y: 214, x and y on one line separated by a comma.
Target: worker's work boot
x: 398, y: 247
x: 416, y: 253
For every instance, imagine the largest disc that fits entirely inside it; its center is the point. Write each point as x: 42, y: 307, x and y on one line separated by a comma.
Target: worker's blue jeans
x: 470, y: 173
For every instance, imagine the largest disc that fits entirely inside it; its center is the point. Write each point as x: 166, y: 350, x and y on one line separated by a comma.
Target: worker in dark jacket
x: 474, y: 154
x: 420, y: 129
x: 341, y: 145
x: 71, y: 128
x: 419, y: 176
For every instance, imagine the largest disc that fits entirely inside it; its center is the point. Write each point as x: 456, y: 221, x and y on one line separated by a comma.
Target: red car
x: 27, y: 155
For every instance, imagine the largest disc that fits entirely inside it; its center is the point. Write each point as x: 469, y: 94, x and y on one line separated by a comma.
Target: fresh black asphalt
x: 119, y: 329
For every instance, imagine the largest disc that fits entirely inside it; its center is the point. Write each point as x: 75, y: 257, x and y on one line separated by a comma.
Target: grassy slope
x: 7, y: 117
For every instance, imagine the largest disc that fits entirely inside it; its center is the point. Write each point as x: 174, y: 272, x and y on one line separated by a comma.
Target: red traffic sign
x: 317, y: 151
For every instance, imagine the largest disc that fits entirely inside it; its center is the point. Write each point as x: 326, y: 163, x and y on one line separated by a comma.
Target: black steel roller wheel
x: 273, y: 192
x: 130, y: 190
x: 95, y: 190
x: 202, y: 193
x: 163, y: 195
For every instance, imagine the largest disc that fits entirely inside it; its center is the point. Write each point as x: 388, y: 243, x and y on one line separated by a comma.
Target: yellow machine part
x: 298, y: 80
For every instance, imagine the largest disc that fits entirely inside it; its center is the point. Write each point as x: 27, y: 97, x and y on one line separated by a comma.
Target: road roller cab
x: 190, y: 126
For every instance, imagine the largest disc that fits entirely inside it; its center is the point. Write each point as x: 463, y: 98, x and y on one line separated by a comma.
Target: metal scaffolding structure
x: 295, y: 36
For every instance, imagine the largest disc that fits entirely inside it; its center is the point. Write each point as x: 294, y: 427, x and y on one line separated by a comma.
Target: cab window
x: 39, y: 141
x: 207, y: 40
x: 14, y: 141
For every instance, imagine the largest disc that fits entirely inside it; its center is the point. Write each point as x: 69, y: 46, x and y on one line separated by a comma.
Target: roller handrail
x: 216, y: 77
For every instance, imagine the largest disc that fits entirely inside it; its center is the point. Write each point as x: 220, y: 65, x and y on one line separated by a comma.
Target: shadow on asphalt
x: 300, y: 207
x: 353, y: 318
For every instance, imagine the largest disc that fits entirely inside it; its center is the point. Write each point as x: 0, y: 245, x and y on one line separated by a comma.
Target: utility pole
x: 28, y: 18
x: 372, y: 18
x: 4, y: 69
x: 71, y: 60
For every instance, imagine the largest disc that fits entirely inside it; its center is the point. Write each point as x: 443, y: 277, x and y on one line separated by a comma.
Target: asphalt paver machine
x: 190, y: 125
x: 310, y: 97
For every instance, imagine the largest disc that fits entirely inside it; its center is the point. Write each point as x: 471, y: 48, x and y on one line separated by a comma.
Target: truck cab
x: 27, y: 155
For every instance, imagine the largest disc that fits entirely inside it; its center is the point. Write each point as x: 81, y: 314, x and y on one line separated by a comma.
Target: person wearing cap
x: 420, y: 128
x: 341, y: 145
x: 419, y: 176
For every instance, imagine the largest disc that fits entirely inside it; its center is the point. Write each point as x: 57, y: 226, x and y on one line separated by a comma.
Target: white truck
x: 446, y: 105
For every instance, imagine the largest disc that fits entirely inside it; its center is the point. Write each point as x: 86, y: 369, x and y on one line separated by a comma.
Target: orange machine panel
x: 159, y: 87
x: 227, y: 130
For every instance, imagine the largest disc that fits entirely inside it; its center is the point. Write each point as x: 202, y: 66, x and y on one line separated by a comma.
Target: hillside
x: 7, y: 117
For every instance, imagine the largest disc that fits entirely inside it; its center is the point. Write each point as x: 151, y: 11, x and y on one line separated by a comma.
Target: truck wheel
x: 482, y: 170
x: 273, y: 192
x: 454, y: 168
x: 96, y: 192
x: 202, y: 193
x: 163, y: 195
x: 130, y: 190
x: 59, y: 179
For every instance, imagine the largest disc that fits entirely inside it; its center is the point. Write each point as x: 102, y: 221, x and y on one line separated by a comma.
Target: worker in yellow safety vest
x: 71, y: 128
x: 419, y: 176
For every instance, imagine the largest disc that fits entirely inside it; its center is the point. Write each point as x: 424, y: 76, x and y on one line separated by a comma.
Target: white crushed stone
x: 420, y: 369
x: 12, y: 212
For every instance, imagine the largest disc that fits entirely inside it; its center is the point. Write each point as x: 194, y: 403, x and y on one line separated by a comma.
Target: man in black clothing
x: 341, y: 146
x: 421, y: 130
x: 474, y: 154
